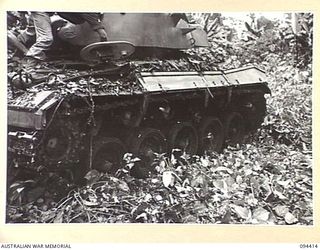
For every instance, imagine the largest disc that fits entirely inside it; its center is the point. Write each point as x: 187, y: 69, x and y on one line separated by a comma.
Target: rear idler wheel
x: 183, y: 136
x: 234, y: 128
x: 259, y: 105
x: 107, y: 154
x: 145, y: 144
x: 211, y: 135
x: 254, y: 111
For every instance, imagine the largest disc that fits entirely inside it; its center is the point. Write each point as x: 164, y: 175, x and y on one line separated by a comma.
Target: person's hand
x: 103, y: 35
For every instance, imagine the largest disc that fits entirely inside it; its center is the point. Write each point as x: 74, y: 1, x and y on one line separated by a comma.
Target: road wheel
x: 107, y: 154
x: 183, y: 136
x: 234, y: 128
x: 57, y: 144
x: 144, y: 144
x: 211, y: 135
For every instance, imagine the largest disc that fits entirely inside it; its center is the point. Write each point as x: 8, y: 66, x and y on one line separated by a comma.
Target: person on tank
x: 44, y: 36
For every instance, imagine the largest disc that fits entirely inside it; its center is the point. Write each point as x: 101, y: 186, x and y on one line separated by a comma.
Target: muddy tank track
x: 89, y: 119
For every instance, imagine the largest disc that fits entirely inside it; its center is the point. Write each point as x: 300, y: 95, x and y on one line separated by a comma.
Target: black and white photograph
x: 160, y: 118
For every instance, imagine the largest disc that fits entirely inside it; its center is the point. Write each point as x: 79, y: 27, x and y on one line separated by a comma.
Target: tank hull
x: 57, y: 124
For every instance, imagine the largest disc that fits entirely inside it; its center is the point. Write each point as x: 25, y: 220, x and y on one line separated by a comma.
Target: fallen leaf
x: 280, y: 195
x: 90, y: 203
x: 239, y: 179
x: 220, y: 169
x: 290, y: 218
x: 158, y: 197
x: 189, y: 219
x: 142, y: 216
x: 285, y: 184
x: 222, y: 185
x: 168, y: 178
x: 242, y: 212
x: 19, y: 190
x: 261, y: 214
x: 199, y: 181
x: 59, y: 217
x: 92, y: 176
x: 199, y: 208
x: 204, y: 162
x: 122, y: 185
x: 251, y: 200
x: 281, y: 210
x: 148, y: 197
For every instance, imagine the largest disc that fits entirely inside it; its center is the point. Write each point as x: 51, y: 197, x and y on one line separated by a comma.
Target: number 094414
x: 307, y: 246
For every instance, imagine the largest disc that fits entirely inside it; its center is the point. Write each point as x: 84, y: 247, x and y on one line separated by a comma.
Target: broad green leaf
x: 162, y: 164
x: 147, y: 197
x: 136, y: 159
x: 221, y: 185
x: 92, y: 175
x: 290, y: 218
x: 229, y: 182
x: 189, y: 219
x: 143, y: 216
x: 19, y: 190
x: 199, y: 181
x: 48, y: 215
x: 168, y: 178
x: 242, y: 212
x: 251, y: 200
x: 280, y: 195
x: 199, y: 207
x: 90, y: 203
x: 173, y: 159
x: 248, y: 171
x: 205, y: 162
x: 239, y: 179
x: 158, y: 197
x: 59, y: 217
x: 123, y: 186
x: 261, y: 214
x: 281, y: 210
x: 220, y: 169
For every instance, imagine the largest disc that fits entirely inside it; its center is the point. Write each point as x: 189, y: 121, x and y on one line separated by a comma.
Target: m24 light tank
x: 143, y: 91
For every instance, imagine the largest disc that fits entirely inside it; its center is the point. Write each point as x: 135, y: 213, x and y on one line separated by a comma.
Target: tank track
x: 102, y: 114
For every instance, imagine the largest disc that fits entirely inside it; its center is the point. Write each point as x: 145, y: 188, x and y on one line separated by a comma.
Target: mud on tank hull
x: 89, y: 121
